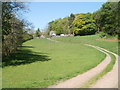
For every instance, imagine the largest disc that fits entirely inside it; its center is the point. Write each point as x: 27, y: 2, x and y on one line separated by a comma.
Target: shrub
x: 103, y: 34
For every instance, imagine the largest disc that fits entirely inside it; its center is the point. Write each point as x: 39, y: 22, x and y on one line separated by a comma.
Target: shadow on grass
x: 24, y: 56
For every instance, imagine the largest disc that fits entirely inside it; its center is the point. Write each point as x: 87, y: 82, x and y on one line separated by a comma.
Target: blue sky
x: 43, y: 12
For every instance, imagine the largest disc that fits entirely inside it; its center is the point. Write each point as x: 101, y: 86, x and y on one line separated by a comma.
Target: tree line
x: 14, y: 28
x: 105, y: 20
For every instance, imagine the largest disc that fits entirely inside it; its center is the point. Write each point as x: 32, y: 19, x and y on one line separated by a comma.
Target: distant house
x: 42, y: 36
x: 66, y: 35
x: 52, y: 34
x: 62, y: 35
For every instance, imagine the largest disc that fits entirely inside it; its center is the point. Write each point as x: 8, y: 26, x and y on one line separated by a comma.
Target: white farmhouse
x: 62, y: 35
x: 52, y: 33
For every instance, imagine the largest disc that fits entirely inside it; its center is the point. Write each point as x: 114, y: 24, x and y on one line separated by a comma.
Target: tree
x: 37, y: 33
x: 84, y: 24
x: 118, y: 19
x: 27, y: 36
x: 107, y: 18
x: 70, y: 21
x: 12, y: 27
x: 60, y: 26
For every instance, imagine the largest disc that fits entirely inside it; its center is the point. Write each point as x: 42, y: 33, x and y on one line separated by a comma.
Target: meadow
x: 31, y: 61
x: 41, y: 62
x: 110, y: 44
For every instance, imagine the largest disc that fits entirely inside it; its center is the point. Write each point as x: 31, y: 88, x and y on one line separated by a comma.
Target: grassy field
x: 111, y: 45
x: 40, y: 63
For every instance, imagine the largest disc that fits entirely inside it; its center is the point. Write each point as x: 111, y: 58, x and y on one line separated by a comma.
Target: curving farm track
x: 110, y: 80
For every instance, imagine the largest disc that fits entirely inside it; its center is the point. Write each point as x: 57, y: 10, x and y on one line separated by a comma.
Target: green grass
x: 101, y: 74
x: 40, y: 63
x: 92, y: 39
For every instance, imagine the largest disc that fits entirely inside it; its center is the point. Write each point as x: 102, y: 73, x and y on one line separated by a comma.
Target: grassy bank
x: 40, y: 63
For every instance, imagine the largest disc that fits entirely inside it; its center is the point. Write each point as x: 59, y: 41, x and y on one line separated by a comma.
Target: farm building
x: 52, y: 34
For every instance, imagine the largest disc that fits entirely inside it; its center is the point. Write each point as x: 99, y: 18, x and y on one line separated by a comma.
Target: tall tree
x: 12, y: 27
x: 107, y: 18
x: 37, y: 33
x: 84, y: 24
x: 60, y: 26
x: 70, y: 20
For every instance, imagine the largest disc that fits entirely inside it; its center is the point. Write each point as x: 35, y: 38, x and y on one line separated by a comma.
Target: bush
x: 103, y: 35
x: 27, y: 37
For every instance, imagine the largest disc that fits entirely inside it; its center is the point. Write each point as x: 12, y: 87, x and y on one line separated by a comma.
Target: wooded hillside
x: 105, y: 20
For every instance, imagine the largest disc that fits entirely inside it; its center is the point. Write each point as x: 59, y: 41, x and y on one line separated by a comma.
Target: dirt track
x: 110, y: 80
